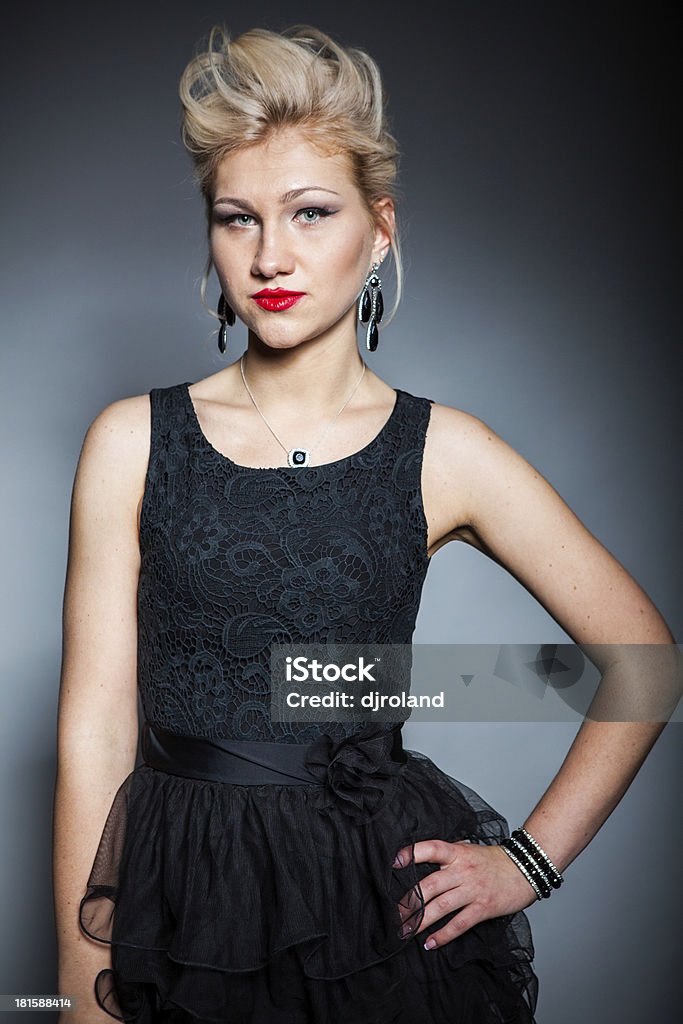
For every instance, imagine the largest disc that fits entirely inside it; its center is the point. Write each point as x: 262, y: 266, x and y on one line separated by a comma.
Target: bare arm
x: 482, y: 492
x: 509, y: 511
x: 97, y: 712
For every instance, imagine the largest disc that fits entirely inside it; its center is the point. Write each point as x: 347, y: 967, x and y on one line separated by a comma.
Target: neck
x: 313, y: 376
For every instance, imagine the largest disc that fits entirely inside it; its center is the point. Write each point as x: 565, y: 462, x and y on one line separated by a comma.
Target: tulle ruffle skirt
x: 278, y: 903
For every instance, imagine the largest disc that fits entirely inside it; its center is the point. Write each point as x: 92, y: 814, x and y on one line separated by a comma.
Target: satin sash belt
x: 241, y: 762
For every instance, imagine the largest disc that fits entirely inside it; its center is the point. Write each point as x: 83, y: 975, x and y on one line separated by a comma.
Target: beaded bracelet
x: 523, y: 836
x: 532, y: 866
x: 533, y: 862
x: 516, y: 860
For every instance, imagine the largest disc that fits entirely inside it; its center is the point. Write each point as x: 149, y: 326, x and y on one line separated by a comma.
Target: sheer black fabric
x: 278, y: 903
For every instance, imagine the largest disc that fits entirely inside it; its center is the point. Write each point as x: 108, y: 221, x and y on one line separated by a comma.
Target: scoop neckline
x: 185, y: 389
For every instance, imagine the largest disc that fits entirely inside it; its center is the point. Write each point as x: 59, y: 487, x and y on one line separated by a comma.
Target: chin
x: 285, y: 337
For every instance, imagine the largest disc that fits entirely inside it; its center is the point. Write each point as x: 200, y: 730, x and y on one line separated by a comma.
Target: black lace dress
x: 278, y: 903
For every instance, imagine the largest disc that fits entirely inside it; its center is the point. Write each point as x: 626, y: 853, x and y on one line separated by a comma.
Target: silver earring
x: 371, y: 307
x: 226, y: 315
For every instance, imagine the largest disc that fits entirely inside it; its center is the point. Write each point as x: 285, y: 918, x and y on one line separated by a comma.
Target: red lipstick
x: 276, y: 299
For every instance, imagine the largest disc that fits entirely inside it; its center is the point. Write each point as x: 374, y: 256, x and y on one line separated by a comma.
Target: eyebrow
x: 285, y: 198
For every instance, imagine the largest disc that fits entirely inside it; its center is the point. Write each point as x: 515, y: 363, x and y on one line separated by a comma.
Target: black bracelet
x: 539, y: 853
x: 529, y: 868
x: 532, y: 864
x: 515, y: 859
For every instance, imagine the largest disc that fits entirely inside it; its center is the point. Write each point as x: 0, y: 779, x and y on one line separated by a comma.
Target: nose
x: 274, y: 253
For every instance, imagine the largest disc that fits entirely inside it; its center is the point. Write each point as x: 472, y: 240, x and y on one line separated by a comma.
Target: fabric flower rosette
x: 361, y: 773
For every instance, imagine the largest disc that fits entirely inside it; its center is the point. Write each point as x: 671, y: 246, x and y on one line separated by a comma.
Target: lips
x: 276, y: 299
x: 267, y: 292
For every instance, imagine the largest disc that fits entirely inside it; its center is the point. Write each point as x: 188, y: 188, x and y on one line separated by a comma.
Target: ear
x: 385, y: 224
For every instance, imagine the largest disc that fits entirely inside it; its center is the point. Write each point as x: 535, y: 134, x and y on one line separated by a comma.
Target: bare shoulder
x: 115, y: 452
x: 487, y: 494
x: 458, y: 447
x: 451, y: 428
x: 119, y: 435
x: 473, y: 478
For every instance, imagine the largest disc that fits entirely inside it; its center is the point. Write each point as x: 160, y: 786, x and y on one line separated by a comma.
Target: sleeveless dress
x: 272, y: 902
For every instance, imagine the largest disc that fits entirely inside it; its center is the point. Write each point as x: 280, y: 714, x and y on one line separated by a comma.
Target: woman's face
x: 317, y: 240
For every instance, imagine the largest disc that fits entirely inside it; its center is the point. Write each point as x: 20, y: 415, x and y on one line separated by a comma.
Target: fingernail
x: 430, y: 944
x: 406, y: 930
x: 398, y: 863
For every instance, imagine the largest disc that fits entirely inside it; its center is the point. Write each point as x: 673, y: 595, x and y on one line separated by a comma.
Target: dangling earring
x: 226, y: 315
x: 371, y: 307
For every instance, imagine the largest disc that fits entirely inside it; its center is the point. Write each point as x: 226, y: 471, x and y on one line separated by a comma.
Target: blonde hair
x: 239, y: 91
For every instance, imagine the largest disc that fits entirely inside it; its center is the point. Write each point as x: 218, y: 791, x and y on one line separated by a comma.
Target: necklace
x: 297, y: 456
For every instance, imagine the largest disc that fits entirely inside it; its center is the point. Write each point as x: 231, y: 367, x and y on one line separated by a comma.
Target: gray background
x: 539, y: 182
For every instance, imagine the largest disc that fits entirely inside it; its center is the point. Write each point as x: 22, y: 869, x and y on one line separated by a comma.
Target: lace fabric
x: 234, y: 559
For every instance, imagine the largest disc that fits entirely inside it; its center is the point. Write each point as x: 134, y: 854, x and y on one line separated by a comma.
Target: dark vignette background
x: 540, y: 239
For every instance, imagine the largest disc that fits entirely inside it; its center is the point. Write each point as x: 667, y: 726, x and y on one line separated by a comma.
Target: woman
x: 257, y: 870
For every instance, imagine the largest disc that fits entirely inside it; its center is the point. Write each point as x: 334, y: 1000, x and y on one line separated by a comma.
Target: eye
x: 241, y: 219
x: 318, y: 212
x: 233, y: 218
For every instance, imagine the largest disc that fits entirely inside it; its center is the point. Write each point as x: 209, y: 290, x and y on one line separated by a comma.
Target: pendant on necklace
x: 298, y: 457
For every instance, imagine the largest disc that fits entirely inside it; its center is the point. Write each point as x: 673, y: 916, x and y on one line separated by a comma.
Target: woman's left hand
x: 480, y: 879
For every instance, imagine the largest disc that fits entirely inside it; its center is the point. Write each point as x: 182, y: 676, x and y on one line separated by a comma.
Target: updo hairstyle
x: 238, y: 92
